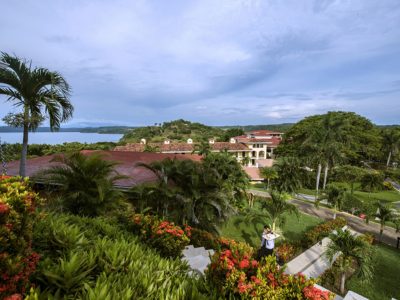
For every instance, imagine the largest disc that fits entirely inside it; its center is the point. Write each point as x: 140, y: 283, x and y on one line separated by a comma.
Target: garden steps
x: 198, y: 258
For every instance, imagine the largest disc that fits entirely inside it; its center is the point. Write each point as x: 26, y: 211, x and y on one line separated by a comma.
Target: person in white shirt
x: 267, y: 242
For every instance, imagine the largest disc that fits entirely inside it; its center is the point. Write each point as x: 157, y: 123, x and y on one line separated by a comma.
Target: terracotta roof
x: 263, y: 132
x: 273, y: 141
x: 182, y: 147
x: 127, y: 164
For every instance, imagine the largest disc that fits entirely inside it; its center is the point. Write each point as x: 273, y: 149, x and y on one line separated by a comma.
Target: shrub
x: 166, y: 237
x: 17, y: 212
x: 323, y: 230
x: 368, y: 237
x: 113, y: 265
x: 236, y: 274
x: 286, y: 252
x: 388, y: 186
x: 202, y: 238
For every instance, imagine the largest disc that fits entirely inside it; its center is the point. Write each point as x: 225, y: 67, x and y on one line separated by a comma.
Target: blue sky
x: 216, y: 62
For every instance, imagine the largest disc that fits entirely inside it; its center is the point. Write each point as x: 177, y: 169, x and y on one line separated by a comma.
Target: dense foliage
x: 323, y: 230
x: 17, y: 213
x: 201, y: 194
x: 164, y: 236
x: 94, y: 258
x: 13, y: 151
x: 86, y: 183
x: 176, y: 131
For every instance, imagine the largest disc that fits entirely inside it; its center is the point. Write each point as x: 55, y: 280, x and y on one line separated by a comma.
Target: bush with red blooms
x: 286, y: 252
x: 236, y: 274
x: 320, y: 231
x: 166, y: 237
x: 17, y: 212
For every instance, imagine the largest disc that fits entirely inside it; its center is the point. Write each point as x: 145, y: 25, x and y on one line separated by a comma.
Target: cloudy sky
x: 222, y: 62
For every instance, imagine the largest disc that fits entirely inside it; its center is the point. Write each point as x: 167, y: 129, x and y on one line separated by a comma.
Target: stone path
x: 197, y: 258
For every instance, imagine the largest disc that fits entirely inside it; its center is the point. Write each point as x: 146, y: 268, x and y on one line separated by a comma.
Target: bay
x: 54, y: 138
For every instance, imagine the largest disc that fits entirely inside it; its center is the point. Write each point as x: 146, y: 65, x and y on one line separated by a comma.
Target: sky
x: 225, y: 62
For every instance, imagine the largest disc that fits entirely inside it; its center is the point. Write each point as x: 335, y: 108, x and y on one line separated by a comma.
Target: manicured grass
x: 384, y: 196
x: 237, y: 229
x: 385, y: 281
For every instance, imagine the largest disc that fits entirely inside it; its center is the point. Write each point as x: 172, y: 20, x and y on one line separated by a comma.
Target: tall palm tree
x: 391, y: 142
x: 268, y: 174
x: 351, y: 249
x: 38, y: 92
x: 86, y: 183
x: 289, y: 175
x: 384, y: 214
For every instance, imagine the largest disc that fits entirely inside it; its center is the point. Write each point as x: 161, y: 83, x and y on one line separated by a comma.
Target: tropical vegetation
x: 352, y: 250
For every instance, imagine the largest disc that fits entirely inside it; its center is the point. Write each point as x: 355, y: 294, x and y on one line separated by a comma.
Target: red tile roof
x: 127, y: 164
x: 182, y: 147
x: 273, y: 141
x: 263, y: 132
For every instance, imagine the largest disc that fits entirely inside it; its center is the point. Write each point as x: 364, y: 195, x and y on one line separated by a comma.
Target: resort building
x: 254, y: 149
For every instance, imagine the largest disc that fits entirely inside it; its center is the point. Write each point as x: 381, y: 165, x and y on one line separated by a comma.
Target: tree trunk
x: 268, y: 184
x: 389, y: 157
x: 24, y: 152
x: 273, y: 226
x: 380, y: 233
x: 342, y: 282
x: 334, y: 212
x: 325, y: 176
x: 318, y: 178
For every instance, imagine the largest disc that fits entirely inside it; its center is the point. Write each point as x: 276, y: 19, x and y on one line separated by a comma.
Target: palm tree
x: 268, y: 174
x: 385, y: 214
x: 191, y: 193
x: 289, y: 175
x: 274, y: 208
x: 391, y: 142
x: 372, y: 181
x: 85, y: 182
x: 351, y: 249
x: 39, y: 92
x: 203, y: 149
x: 335, y: 196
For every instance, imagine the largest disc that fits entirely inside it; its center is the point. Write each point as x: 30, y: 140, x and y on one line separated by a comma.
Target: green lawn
x: 385, y: 196
x: 385, y: 282
x: 237, y: 229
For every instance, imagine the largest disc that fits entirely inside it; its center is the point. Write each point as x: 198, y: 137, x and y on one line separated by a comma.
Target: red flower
x: 256, y: 280
x: 244, y: 264
x: 14, y: 297
x: 254, y: 263
x: 4, y: 208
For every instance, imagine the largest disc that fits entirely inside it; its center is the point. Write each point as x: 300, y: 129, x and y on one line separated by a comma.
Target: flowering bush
x: 322, y: 230
x: 286, y: 252
x: 234, y: 272
x: 17, y: 260
x: 202, y: 238
x: 166, y: 237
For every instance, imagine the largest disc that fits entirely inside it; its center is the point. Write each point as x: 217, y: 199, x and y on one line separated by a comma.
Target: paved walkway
x: 389, y: 234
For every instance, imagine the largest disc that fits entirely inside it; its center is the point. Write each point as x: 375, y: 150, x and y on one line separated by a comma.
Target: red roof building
x: 127, y: 162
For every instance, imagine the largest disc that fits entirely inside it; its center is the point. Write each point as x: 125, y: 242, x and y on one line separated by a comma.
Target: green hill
x: 176, y: 131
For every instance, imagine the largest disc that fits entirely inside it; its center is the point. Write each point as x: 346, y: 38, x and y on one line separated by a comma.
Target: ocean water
x: 54, y: 138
